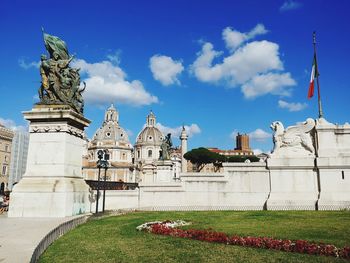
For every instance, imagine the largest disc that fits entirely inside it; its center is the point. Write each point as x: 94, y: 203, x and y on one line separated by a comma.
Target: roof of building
x: 228, y: 152
x: 5, y: 133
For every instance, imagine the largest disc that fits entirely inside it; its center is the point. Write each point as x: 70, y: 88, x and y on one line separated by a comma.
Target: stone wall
x: 240, y: 187
x: 295, y: 177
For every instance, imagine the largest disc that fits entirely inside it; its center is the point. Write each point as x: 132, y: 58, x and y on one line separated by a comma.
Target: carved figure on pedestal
x: 166, y: 145
x: 295, y: 140
x: 60, y: 84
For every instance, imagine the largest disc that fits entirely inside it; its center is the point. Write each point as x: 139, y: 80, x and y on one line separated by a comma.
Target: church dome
x: 150, y: 135
x: 112, y: 139
x: 110, y: 133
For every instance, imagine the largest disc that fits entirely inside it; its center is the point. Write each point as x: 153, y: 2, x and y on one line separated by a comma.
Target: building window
x: 6, y: 148
x: 149, y: 153
x: 138, y: 154
x: 4, y: 169
x: 2, y: 188
x: 6, y: 158
x: 342, y: 175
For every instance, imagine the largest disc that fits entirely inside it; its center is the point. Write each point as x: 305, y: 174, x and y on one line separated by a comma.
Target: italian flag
x: 314, y: 74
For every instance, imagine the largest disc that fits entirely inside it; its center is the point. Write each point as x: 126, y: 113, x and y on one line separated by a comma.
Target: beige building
x: 242, y: 147
x: 110, y: 137
x: 6, y: 136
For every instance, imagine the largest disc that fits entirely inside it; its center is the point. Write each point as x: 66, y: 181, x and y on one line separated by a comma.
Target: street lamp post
x: 106, y: 158
x: 104, y: 191
x: 102, y: 162
x: 99, y: 165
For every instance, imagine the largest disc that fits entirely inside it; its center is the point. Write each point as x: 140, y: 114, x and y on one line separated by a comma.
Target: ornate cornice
x: 56, y: 128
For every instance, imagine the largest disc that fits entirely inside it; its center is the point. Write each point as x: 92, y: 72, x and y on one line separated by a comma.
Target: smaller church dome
x: 148, y: 142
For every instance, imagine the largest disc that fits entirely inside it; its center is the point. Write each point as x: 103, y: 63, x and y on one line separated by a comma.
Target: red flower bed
x: 298, y: 246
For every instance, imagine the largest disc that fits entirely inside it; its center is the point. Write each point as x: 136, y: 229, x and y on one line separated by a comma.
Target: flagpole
x: 320, y: 111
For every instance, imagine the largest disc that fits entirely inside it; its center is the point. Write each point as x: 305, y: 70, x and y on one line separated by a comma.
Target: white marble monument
x: 53, y: 185
x: 333, y: 164
x: 292, y: 168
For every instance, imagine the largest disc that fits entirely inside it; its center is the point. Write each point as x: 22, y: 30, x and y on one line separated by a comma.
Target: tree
x: 241, y: 158
x: 202, y: 156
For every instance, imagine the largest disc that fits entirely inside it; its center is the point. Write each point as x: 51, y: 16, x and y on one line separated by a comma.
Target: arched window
x: 149, y: 153
x: 4, y: 169
x: 138, y: 154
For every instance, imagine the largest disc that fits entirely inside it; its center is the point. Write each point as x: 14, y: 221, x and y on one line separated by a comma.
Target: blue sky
x: 219, y: 67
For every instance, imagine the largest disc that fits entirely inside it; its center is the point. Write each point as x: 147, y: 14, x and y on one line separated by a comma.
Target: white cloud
x: 257, y: 151
x: 10, y: 124
x: 28, y: 65
x: 273, y: 83
x: 233, y: 134
x: 115, y: 57
x: 234, y: 38
x: 165, y: 69
x: 249, y: 60
x: 250, y: 66
x: 202, y: 67
x: 291, y: 106
x: 106, y: 82
x: 129, y: 132
x: 290, y: 5
x: 176, y: 131
x: 36, y: 97
x: 259, y: 135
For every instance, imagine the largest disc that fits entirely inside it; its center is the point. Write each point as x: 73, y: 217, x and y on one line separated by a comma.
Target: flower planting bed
x: 170, y: 228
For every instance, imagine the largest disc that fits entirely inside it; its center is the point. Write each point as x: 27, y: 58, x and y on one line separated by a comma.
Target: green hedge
x: 241, y: 158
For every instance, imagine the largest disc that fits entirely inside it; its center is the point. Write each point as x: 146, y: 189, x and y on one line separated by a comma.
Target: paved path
x: 20, y: 236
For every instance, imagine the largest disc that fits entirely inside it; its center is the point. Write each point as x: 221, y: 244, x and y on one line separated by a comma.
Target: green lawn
x: 114, y: 239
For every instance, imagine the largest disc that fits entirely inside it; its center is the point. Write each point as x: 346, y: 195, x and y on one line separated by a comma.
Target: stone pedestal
x: 164, y: 171
x: 293, y: 183
x: 333, y: 163
x: 53, y: 185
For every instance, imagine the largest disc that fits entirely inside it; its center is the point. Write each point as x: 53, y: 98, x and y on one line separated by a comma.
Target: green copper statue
x: 60, y: 84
